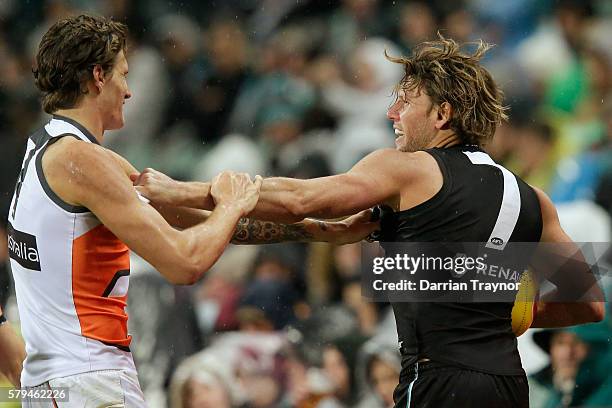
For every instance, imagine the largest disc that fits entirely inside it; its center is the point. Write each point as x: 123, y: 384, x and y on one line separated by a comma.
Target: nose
x: 128, y: 94
x: 392, y: 113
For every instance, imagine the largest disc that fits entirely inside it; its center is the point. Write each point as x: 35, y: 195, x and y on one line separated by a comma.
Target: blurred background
x: 300, y: 88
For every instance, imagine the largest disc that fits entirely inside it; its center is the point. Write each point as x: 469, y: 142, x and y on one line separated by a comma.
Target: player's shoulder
x: 404, y: 170
x: 405, y: 165
x: 547, y: 207
x: 73, y: 148
x: 393, y: 157
x: 74, y: 159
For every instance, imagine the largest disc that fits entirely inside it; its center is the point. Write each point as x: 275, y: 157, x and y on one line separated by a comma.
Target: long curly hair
x: 446, y: 73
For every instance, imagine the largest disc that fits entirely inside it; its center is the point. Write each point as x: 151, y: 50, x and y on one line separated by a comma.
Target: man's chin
x: 402, y: 146
x: 115, y: 125
x: 405, y: 148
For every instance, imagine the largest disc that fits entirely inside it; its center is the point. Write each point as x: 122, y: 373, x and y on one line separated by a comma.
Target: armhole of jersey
x: 447, y: 179
x: 447, y: 183
x: 43, y: 180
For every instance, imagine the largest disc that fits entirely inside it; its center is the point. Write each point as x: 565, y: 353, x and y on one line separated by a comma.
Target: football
x: 525, y: 304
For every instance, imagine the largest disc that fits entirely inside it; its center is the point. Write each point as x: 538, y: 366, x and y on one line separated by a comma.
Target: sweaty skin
x: 12, y: 353
x: 88, y: 175
x: 401, y: 178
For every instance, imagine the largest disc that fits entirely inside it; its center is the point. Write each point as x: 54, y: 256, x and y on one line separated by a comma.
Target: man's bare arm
x: 89, y: 175
x: 379, y: 177
x: 252, y: 232
x: 591, y: 307
x: 351, y: 229
x: 12, y: 353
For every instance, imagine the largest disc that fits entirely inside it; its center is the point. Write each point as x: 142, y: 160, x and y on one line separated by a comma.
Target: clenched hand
x: 236, y: 189
x: 157, y: 187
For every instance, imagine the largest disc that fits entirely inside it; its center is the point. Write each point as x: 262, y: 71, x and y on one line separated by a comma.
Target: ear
x: 444, y: 113
x: 98, y: 77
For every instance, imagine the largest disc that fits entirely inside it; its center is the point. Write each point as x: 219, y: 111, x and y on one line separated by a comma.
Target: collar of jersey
x: 77, y: 125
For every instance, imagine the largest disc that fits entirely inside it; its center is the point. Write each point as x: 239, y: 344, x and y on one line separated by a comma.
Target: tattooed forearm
x: 266, y: 232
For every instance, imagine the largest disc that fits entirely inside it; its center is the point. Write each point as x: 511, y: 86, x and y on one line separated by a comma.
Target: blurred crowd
x: 300, y: 89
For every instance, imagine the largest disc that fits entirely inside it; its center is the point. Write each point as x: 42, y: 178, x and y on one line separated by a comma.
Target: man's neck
x: 87, y: 119
x: 444, y: 140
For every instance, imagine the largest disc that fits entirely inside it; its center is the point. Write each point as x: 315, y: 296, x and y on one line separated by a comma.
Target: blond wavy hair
x: 446, y: 73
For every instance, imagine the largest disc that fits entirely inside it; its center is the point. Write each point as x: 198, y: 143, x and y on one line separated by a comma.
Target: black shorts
x: 439, y: 385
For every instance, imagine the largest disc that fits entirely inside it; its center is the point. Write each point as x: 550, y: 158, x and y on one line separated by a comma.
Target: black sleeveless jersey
x: 479, y: 201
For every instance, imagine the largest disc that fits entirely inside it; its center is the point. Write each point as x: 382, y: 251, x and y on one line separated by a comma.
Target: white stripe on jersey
x: 510, y: 206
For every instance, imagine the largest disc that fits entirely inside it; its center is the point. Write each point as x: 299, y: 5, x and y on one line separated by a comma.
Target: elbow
x: 192, y: 275
x: 186, y: 275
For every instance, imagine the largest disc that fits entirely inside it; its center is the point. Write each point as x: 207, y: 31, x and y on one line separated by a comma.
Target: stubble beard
x: 415, y: 142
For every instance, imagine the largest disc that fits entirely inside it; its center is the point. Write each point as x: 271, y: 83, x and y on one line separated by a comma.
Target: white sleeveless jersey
x: 71, y: 274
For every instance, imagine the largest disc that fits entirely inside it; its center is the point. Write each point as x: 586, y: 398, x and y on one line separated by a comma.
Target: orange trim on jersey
x: 97, y: 256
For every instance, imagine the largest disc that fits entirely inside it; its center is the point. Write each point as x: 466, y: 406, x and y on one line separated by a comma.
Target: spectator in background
x: 417, y: 24
x: 360, y: 102
x: 178, y: 38
x: 279, y: 125
x: 216, y: 300
x: 534, y: 157
x: 227, y: 49
x: 554, y: 385
x: 307, y: 385
x: 597, y: 68
x: 339, y: 359
x: 230, y: 153
x: 52, y: 10
x: 351, y: 23
x: 578, y: 176
x: 569, y: 86
x: 204, y: 380
x: 178, y: 145
x: 365, y: 311
x: 279, y: 81
x: 548, y: 56
x: 460, y: 25
x: 578, y: 374
x: 260, y: 375
x: 266, y: 306
x: 381, y: 363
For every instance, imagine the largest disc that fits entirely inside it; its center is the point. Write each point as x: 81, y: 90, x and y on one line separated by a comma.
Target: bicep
x: 103, y: 186
x: 346, y: 194
x: 375, y: 179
